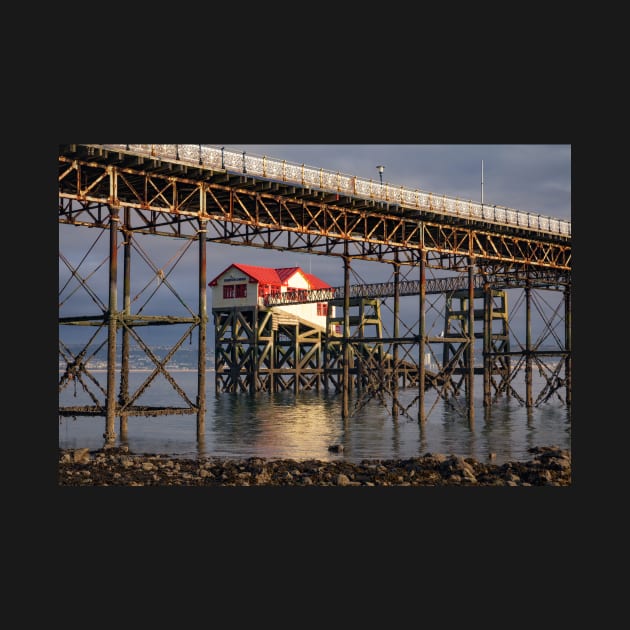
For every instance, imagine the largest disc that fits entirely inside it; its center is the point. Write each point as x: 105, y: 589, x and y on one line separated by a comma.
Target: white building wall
x: 307, y: 312
x: 234, y: 277
x: 297, y: 281
x: 304, y: 311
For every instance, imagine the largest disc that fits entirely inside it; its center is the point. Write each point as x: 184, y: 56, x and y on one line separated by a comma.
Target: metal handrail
x: 407, y: 287
x: 218, y: 158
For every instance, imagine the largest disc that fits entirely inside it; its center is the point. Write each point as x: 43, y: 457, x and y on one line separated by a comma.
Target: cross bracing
x: 205, y: 194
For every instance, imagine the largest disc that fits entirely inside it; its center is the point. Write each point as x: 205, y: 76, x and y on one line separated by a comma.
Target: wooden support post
x: 234, y: 354
x: 253, y: 353
x: 296, y: 358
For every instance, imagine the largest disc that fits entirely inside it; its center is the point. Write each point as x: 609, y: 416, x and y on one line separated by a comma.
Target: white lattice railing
x: 218, y: 158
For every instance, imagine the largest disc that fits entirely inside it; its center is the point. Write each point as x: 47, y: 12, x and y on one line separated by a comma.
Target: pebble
x: 550, y: 466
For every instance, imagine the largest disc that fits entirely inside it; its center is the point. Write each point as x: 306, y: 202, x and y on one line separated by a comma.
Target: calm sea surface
x: 303, y: 426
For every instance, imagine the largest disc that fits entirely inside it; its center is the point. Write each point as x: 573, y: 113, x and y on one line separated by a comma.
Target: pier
x: 199, y: 195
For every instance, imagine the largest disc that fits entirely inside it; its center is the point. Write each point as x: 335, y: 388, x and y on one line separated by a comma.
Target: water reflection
x: 303, y: 426
x: 274, y: 425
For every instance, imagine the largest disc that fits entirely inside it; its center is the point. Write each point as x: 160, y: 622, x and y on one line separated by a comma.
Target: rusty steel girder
x: 167, y: 199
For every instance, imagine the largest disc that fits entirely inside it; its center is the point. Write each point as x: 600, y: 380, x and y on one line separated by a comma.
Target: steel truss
x: 245, y: 210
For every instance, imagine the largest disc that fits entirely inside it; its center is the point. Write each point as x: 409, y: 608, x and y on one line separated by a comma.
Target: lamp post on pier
x: 380, y: 170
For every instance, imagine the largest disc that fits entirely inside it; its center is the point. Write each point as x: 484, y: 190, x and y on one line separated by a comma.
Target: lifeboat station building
x: 247, y: 286
x: 261, y: 348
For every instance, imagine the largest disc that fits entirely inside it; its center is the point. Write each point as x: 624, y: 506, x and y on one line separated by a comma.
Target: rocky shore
x: 549, y: 466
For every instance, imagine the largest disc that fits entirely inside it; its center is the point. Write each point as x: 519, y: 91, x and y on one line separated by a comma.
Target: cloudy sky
x: 527, y: 177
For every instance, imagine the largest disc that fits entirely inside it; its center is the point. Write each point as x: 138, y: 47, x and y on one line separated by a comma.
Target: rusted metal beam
x: 181, y: 200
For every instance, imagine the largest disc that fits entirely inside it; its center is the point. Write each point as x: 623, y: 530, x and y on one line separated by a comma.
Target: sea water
x: 304, y: 425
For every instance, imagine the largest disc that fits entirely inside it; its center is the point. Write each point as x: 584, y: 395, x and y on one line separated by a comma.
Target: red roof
x: 286, y: 272
x: 275, y: 277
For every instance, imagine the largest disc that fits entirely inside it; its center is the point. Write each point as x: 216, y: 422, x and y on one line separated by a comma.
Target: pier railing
x: 410, y: 287
x: 218, y: 158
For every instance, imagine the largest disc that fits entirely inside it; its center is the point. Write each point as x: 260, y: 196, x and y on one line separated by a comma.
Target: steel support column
x: 112, y: 322
x: 568, y: 343
x: 529, y: 399
x: 345, y: 412
x: 470, y: 379
x: 421, y: 336
x: 487, y: 344
x: 396, y: 335
x: 123, y: 395
x: 203, y: 320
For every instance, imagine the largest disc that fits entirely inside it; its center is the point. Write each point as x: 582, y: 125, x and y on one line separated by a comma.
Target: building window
x: 322, y: 308
x: 234, y: 291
